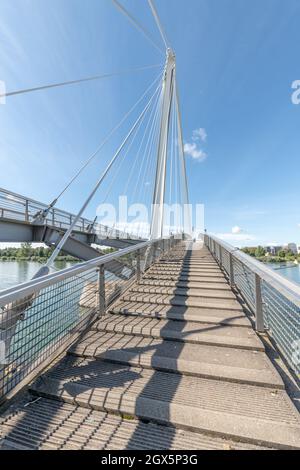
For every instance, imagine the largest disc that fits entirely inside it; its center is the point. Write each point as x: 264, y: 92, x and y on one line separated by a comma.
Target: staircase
x: 174, y: 364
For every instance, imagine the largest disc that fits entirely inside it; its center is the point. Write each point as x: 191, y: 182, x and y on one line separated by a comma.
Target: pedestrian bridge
x: 25, y: 220
x: 163, y: 344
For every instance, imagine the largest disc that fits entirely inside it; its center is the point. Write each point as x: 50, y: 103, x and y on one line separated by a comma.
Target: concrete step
x: 186, y: 285
x: 54, y: 425
x: 241, y: 412
x: 172, y: 312
x: 219, y: 363
x: 188, y: 264
x: 177, y: 291
x: 182, y: 261
x: 184, y: 277
x: 190, y: 270
x: 178, y: 278
x: 186, y: 332
x: 200, y: 302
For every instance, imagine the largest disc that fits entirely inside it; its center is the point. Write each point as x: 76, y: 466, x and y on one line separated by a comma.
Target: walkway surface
x: 175, y: 364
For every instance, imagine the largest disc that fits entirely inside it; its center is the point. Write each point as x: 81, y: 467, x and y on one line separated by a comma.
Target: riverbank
x: 38, y: 259
x: 277, y: 259
x: 283, y: 256
x: 39, y: 255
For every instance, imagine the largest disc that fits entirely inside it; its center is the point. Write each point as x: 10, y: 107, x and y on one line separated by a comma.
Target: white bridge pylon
x: 169, y: 99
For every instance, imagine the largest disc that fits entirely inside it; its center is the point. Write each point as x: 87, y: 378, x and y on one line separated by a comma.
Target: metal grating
x: 279, y: 299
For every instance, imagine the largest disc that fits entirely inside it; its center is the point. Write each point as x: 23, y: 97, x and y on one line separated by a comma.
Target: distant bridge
x: 21, y: 221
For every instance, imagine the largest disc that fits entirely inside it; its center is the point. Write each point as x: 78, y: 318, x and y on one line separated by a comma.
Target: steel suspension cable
x: 152, y: 115
x: 172, y: 159
x: 153, y: 121
x: 74, y: 82
x: 158, y: 22
x: 143, y: 160
x: 148, y: 160
x: 137, y: 25
x: 102, y: 144
x: 151, y: 147
x: 126, y: 153
x: 92, y: 194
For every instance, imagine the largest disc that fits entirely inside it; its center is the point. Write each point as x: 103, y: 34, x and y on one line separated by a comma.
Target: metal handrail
x: 45, y: 315
x: 273, y: 300
x: 32, y: 287
x: 285, y: 286
x: 31, y: 205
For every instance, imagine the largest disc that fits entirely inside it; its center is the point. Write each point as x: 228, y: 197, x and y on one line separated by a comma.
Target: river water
x: 16, y: 272
x: 13, y: 273
x: 289, y: 270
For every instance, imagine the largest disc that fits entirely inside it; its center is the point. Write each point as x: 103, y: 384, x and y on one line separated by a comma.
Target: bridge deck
x: 177, y: 349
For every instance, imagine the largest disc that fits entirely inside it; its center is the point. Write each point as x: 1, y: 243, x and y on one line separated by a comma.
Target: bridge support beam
x: 160, y: 180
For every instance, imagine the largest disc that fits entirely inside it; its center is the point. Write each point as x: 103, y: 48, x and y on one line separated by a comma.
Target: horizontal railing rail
x: 43, y: 316
x: 273, y: 300
x: 13, y: 206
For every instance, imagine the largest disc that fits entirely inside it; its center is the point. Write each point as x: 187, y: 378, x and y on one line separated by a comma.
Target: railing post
x: 217, y: 247
x: 221, y: 255
x: 101, y: 290
x: 231, y: 270
x: 26, y: 211
x: 138, y: 266
x: 259, y: 314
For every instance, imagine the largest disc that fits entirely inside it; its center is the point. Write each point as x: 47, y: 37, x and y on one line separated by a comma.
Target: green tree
x: 282, y: 254
x: 26, y: 250
x: 260, y: 252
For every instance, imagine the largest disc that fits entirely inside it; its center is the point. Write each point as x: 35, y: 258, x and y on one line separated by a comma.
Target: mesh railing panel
x: 33, y: 328
x: 282, y: 318
x: 244, y: 279
x: 49, y: 319
x: 281, y: 315
x: 226, y: 261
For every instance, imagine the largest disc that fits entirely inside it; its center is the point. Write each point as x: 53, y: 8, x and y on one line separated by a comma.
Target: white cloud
x: 238, y: 237
x: 236, y: 230
x: 298, y: 225
x: 241, y: 237
x: 195, y: 152
x: 193, y: 149
x: 200, y: 134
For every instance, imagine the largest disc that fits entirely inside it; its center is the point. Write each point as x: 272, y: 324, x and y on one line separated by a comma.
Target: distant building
x: 293, y: 248
x: 273, y: 250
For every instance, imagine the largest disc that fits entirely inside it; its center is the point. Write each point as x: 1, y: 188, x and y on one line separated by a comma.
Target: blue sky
x: 236, y: 62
